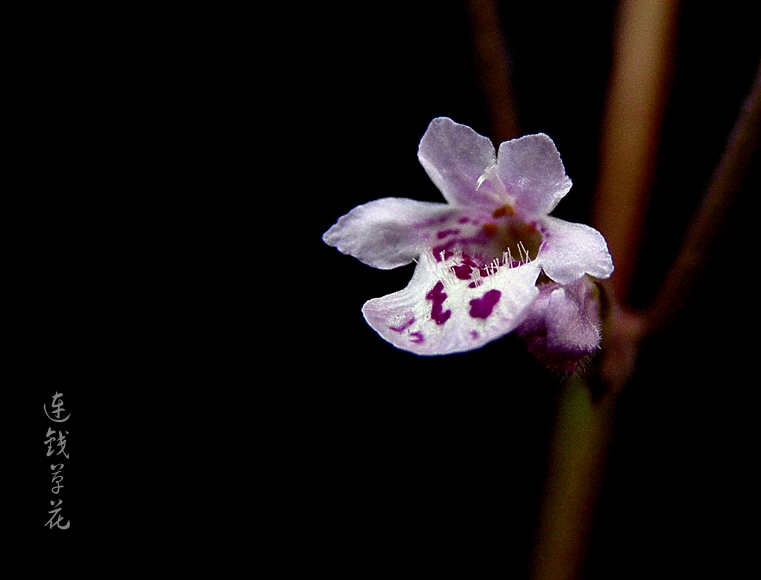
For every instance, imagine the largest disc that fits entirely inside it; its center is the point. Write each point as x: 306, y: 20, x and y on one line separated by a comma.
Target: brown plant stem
x: 631, y: 129
x: 492, y: 67
x: 727, y: 180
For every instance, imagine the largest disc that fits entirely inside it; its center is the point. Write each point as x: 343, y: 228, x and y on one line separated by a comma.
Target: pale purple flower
x: 562, y: 326
x: 480, y: 254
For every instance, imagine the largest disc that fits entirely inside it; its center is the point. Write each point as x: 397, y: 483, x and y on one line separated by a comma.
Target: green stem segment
x: 577, y: 463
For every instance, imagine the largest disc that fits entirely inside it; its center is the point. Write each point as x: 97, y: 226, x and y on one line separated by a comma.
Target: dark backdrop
x: 178, y: 168
x: 446, y: 455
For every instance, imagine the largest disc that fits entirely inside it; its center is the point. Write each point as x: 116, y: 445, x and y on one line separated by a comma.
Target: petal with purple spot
x: 389, y: 232
x: 392, y: 232
x: 439, y: 313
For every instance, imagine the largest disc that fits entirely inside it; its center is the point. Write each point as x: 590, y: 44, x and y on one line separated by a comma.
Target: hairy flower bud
x: 562, y: 327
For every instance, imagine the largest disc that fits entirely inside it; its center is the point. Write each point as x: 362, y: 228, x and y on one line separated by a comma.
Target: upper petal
x: 455, y: 157
x: 437, y: 313
x: 570, y: 250
x: 531, y: 170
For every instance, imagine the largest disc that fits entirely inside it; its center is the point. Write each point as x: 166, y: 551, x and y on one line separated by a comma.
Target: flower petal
x: 389, y: 232
x: 438, y: 313
x: 455, y: 157
x: 570, y: 250
x: 531, y: 170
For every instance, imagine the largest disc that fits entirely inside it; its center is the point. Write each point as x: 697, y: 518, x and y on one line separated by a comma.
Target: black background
x: 174, y: 172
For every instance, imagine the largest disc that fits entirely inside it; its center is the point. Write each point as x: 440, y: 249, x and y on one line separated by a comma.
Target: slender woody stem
x: 631, y: 131
x: 742, y: 146
x: 492, y: 66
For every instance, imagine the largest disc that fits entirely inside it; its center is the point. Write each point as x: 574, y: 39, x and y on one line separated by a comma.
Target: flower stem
x: 631, y: 130
x: 742, y: 146
x: 491, y: 64
x: 577, y: 460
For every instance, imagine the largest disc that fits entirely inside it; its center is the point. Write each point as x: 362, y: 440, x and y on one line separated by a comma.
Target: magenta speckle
x: 445, y: 233
x: 437, y: 296
x: 473, y: 334
x: 417, y: 337
x: 482, y: 307
x: 437, y: 250
x: 463, y: 271
x: 462, y: 220
x: 403, y: 327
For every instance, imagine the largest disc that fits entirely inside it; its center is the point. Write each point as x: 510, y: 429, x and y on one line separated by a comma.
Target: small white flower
x: 480, y: 254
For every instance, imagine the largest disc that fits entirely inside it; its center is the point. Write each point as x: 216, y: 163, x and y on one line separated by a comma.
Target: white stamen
x: 486, y: 176
x: 525, y: 258
x: 490, y: 175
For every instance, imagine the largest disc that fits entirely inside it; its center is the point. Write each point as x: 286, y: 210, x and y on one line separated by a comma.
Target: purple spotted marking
x: 448, y: 253
x: 445, y: 233
x: 404, y: 326
x: 462, y: 220
x: 437, y: 296
x: 474, y: 334
x: 481, y: 238
x: 464, y: 270
x: 482, y: 307
x: 417, y: 337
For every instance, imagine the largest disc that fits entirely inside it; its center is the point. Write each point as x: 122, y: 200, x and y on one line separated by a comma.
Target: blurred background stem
x: 639, y: 84
x: 639, y: 81
x: 577, y: 458
x: 491, y: 62
x: 707, y: 225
